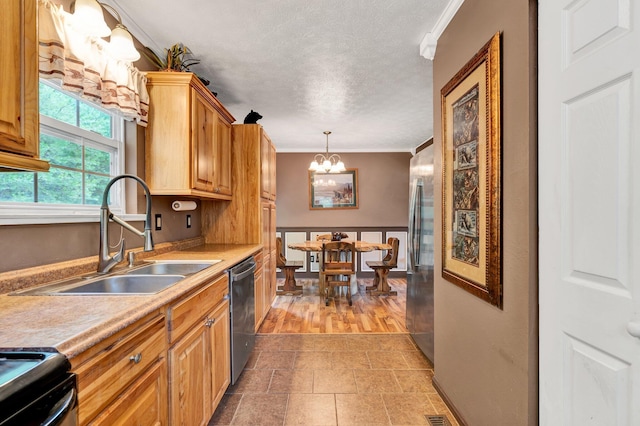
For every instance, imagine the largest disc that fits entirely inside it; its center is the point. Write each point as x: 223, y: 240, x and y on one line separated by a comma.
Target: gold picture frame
x: 333, y: 190
x: 471, y: 169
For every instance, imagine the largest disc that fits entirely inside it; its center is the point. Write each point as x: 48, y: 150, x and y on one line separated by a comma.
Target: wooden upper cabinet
x: 19, y: 119
x: 188, y: 139
x: 222, y: 169
x: 267, y: 167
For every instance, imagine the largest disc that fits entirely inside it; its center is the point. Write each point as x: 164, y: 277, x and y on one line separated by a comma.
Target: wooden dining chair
x: 338, y: 268
x: 288, y: 267
x: 382, y: 268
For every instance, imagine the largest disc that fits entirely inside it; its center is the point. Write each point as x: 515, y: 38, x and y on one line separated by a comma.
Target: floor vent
x: 438, y: 421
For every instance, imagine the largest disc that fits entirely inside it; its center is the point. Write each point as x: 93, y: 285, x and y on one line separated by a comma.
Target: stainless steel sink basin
x: 146, y: 279
x: 124, y: 284
x: 170, y: 268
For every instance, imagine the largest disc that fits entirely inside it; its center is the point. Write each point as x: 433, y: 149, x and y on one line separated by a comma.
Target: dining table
x: 361, y: 246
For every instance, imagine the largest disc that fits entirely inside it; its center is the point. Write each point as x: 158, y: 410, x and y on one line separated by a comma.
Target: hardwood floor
x: 306, y: 313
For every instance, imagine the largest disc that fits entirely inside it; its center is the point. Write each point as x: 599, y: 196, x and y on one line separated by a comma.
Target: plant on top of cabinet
x: 176, y: 58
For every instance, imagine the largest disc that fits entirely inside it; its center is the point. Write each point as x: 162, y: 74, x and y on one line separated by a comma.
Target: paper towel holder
x: 183, y: 205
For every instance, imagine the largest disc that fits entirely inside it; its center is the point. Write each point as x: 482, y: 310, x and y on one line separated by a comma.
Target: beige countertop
x: 72, y: 324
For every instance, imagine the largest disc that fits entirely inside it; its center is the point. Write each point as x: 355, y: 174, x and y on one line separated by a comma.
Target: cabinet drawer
x: 184, y: 314
x: 144, y: 403
x: 103, y: 377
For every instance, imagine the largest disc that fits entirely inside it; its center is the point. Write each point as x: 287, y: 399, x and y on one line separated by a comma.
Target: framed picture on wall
x: 471, y: 206
x: 333, y: 190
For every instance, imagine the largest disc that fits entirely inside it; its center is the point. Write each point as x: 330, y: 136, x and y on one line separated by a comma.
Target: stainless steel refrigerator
x: 420, y: 244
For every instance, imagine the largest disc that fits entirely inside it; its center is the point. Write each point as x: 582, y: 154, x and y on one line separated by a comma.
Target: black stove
x: 36, y: 388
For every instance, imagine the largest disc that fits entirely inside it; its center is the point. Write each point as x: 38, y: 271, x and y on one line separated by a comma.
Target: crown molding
x: 430, y: 41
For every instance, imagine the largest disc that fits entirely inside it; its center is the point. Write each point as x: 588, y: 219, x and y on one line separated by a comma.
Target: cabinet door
x: 222, y: 168
x: 269, y: 284
x: 144, y: 403
x: 204, y: 122
x: 19, y: 83
x: 272, y: 171
x: 272, y: 260
x: 269, y: 252
x: 266, y: 229
x: 258, y: 278
x: 221, y: 353
x: 265, y: 164
x: 190, y: 378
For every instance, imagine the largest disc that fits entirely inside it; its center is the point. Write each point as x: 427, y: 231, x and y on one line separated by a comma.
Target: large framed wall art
x: 333, y: 190
x: 471, y: 205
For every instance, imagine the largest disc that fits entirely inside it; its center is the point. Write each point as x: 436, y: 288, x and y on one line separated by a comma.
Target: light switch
x: 188, y: 221
x: 158, y: 222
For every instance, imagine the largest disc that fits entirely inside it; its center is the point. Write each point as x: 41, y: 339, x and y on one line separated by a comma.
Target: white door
x: 589, y: 212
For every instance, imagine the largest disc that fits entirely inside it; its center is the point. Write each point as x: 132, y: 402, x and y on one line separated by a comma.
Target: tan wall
x: 485, y: 358
x: 25, y: 246
x: 383, y: 189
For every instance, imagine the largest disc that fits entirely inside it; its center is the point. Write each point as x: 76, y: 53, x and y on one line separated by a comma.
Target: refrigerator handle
x: 415, y: 224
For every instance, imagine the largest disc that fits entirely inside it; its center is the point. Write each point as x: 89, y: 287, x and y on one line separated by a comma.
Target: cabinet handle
x: 217, y: 189
x: 136, y: 358
x: 209, y: 322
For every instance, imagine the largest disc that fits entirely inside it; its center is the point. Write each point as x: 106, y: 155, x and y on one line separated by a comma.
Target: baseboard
x: 449, y: 403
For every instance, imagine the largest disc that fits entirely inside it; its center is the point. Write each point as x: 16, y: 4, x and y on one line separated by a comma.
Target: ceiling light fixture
x: 89, y: 20
x: 325, y: 163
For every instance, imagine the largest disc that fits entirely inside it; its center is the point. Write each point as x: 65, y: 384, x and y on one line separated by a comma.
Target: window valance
x: 84, y: 66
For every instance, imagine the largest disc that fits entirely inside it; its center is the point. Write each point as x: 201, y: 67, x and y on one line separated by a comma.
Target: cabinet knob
x: 217, y: 190
x: 633, y: 328
x: 209, y: 322
x: 136, y: 358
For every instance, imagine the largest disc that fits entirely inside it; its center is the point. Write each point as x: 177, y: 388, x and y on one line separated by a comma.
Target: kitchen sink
x: 124, y: 284
x: 149, y: 278
x: 166, y: 268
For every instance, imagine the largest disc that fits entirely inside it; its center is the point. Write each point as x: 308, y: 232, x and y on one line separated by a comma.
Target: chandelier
x: 325, y: 163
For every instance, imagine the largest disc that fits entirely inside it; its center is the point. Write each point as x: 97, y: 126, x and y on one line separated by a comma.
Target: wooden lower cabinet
x: 144, y: 403
x: 220, y: 340
x: 134, y: 378
x: 189, y: 383
x: 121, y: 366
x: 258, y: 283
x: 200, y: 369
x: 199, y: 360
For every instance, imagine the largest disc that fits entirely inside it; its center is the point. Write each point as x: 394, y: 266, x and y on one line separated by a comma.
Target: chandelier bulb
x: 325, y: 163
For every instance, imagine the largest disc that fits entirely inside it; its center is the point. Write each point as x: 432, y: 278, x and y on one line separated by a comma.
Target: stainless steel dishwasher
x: 242, y: 313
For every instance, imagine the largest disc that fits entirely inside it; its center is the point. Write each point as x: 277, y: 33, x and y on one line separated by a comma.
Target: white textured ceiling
x: 349, y: 66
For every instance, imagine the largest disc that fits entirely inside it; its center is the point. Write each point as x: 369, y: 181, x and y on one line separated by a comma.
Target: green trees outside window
x: 77, y: 139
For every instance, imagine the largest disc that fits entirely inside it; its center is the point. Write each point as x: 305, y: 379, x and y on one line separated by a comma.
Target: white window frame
x: 42, y: 213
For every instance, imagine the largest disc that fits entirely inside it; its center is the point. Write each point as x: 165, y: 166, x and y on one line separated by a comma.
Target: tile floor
x: 354, y: 379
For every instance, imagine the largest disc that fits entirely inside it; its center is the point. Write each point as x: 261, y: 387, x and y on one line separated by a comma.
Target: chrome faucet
x: 105, y: 262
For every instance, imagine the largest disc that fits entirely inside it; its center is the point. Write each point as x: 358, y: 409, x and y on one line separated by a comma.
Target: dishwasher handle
x: 242, y: 270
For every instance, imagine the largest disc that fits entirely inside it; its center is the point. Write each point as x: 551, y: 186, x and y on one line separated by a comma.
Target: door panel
x: 588, y: 197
